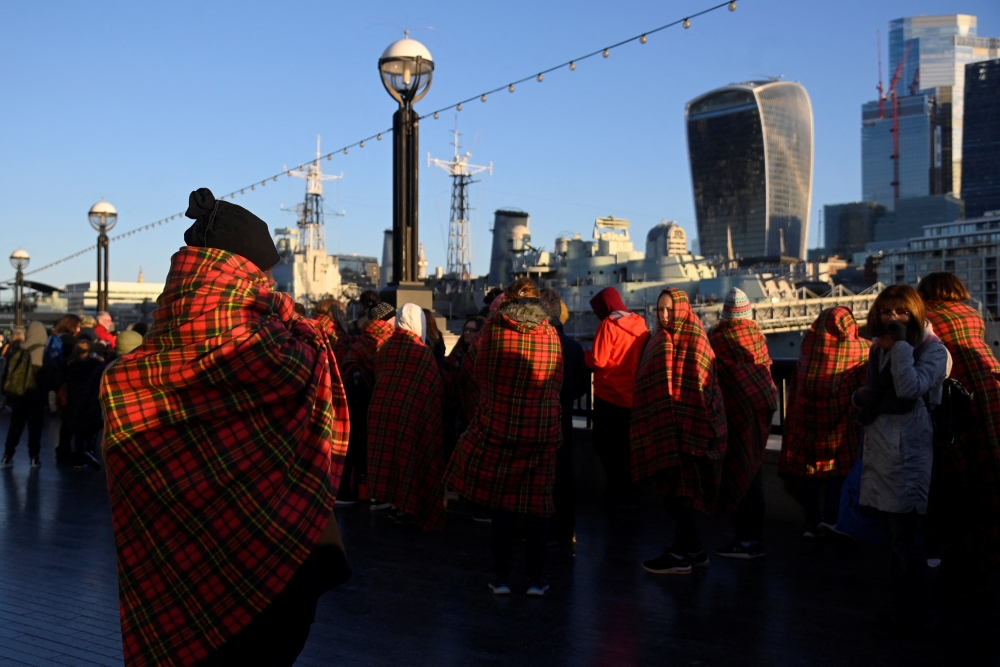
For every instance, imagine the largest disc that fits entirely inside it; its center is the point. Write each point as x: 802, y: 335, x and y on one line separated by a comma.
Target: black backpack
x: 952, y: 418
x: 20, y: 378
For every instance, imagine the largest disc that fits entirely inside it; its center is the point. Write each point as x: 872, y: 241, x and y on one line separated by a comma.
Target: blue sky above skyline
x: 140, y: 105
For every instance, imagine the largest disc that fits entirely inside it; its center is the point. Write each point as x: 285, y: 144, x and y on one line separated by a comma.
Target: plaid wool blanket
x: 964, y: 503
x: 360, y: 355
x: 678, y: 427
x: 406, y: 449
x: 506, y: 459
x: 821, y: 434
x: 337, y: 338
x: 744, y: 368
x: 225, y: 436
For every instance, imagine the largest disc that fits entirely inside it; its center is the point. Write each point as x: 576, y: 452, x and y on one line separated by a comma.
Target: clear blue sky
x: 140, y: 104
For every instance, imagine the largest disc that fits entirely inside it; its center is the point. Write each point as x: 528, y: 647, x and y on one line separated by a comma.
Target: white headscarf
x: 411, y: 317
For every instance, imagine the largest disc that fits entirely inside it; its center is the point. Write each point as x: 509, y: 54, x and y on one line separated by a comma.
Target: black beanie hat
x: 225, y: 226
x: 381, y: 311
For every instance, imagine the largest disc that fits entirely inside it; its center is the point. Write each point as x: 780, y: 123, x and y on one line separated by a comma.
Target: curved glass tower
x: 751, y: 152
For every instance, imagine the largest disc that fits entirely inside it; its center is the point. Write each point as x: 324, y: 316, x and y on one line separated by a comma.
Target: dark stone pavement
x: 421, y: 599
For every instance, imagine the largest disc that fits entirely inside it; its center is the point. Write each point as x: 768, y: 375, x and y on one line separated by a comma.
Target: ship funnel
x: 504, y: 223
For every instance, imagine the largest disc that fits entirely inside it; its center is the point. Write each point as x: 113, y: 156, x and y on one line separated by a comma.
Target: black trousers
x: 686, y: 540
x: 821, y: 499
x: 276, y: 637
x: 749, y: 515
x: 503, y: 532
x: 562, y: 525
x: 64, y: 449
x: 908, y: 567
x: 28, y: 411
x: 611, y: 440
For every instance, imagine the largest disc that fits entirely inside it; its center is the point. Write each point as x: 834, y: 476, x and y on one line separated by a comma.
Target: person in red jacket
x: 618, y: 344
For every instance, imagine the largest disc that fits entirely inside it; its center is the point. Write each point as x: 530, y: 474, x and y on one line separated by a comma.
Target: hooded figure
x: 821, y: 433
x: 679, y: 431
x: 225, y: 437
x: 506, y: 459
x: 744, y: 369
x: 406, y: 458
x: 964, y: 508
x: 618, y: 344
x: 28, y: 409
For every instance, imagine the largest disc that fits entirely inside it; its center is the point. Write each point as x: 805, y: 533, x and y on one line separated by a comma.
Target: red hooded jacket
x: 618, y: 345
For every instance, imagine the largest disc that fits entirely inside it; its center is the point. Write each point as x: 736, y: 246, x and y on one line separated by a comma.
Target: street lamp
x: 406, y: 68
x: 19, y: 260
x: 103, y: 217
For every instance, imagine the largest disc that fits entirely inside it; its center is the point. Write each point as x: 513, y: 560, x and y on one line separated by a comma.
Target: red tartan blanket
x: 339, y: 340
x: 744, y: 368
x: 966, y: 475
x: 406, y: 455
x: 225, y: 437
x: 821, y: 436
x: 678, y: 427
x: 361, y: 354
x: 506, y: 459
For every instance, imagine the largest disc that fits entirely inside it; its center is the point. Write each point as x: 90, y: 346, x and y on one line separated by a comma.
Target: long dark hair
x: 899, y: 296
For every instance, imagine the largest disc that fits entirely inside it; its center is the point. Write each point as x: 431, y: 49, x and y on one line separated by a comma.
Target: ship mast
x: 459, y: 237
x: 312, y: 227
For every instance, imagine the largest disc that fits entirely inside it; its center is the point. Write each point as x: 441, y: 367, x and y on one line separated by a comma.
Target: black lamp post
x: 406, y: 68
x: 103, y: 217
x: 19, y: 260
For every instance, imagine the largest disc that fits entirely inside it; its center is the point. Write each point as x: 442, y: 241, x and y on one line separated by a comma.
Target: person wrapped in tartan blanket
x: 506, y: 460
x: 964, y: 506
x: 406, y: 449
x: 678, y: 428
x: 821, y: 434
x: 744, y: 368
x: 225, y: 435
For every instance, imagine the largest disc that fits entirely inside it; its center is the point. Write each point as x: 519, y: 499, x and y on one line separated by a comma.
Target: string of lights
x: 571, y: 65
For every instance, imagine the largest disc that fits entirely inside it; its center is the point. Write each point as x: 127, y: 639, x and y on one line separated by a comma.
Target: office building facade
x: 937, y: 50
x: 981, y: 140
x: 751, y: 152
x: 924, y: 150
x: 848, y: 227
x: 968, y: 248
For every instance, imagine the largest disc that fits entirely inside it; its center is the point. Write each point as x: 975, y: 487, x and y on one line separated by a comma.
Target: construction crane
x: 895, y: 125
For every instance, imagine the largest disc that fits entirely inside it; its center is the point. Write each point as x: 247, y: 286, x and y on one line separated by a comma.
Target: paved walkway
x: 421, y: 599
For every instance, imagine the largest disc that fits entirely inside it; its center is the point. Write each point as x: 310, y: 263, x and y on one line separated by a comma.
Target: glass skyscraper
x: 981, y: 147
x: 751, y: 153
x: 939, y: 49
x: 924, y: 150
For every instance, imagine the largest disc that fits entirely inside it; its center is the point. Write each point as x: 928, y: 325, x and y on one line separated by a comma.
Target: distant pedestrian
x: 678, y: 428
x: 964, y: 509
x: 103, y: 328
x: 506, y: 460
x: 905, y: 374
x: 434, y: 338
x: 455, y: 417
x: 331, y: 318
x: 618, y: 345
x: 358, y: 366
x: 26, y: 389
x: 406, y: 451
x: 368, y: 300
x: 225, y: 438
x: 751, y: 399
x: 58, y: 352
x: 821, y: 433
x: 576, y: 383
x: 83, y: 407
